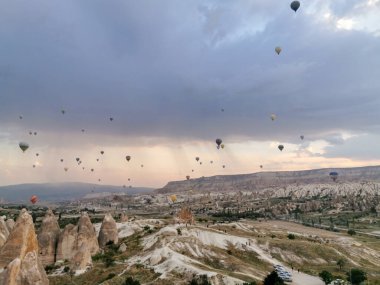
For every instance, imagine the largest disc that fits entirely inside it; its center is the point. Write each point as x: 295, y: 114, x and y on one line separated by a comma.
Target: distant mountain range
x: 55, y: 192
x: 263, y: 180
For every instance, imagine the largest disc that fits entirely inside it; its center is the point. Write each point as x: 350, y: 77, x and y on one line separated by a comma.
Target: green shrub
x: 131, y: 281
x: 291, y: 236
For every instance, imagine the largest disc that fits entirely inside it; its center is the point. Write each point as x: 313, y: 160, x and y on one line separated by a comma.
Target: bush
x: 351, y: 232
x: 326, y: 276
x: 356, y: 276
x: 110, y: 276
x: 273, y: 279
x: 131, y: 281
x: 109, y: 260
x: 179, y: 231
x: 200, y: 280
x: 66, y: 269
x: 291, y: 236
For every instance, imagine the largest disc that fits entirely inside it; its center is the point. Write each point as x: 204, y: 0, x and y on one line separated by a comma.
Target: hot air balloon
x: 66, y: 168
x: 83, y: 130
x: 334, y: 175
x: 99, y: 179
x: 200, y: 163
x: 37, y: 154
x: 77, y: 159
x: 30, y: 132
x: 128, y: 157
x: 273, y: 117
x: 224, y: 166
x: 34, y: 166
x: 211, y: 162
x: 281, y: 147
x: 222, y: 145
x: 101, y: 152
x: 35, y: 133
x: 192, y: 170
x: 34, y: 199
x: 20, y: 117
x: 302, y: 137
x: 261, y: 166
x: 129, y: 179
x: 111, y: 119
x: 97, y: 159
x: 24, y: 146
x: 278, y: 50
x: 187, y: 177
x: 197, y: 158
x: 63, y: 112
x: 173, y: 198
x: 142, y: 165
x: 61, y: 159
x: 222, y: 110
x: 218, y: 143
x: 295, y: 5
x: 92, y: 170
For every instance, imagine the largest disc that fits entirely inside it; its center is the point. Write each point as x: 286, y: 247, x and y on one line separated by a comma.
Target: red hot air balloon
x: 33, y: 199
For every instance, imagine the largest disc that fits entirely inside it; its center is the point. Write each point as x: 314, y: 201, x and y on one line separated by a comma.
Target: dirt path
x: 305, y: 279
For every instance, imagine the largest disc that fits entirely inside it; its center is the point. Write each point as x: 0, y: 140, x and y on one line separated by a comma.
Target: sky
x: 164, y: 70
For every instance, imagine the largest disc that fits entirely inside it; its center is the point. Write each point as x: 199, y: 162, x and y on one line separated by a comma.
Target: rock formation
x: 123, y: 218
x: 4, y: 232
x: 108, y: 231
x: 19, y: 255
x: 48, y: 238
x: 78, y: 243
x: 10, y: 224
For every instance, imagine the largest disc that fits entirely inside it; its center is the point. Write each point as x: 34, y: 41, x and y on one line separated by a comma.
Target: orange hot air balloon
x: 33, y: 199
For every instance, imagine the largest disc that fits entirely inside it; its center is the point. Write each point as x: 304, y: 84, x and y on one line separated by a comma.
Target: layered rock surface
x: 4, y: 232
x: 78, y: 243
x: 108, y: 231
x: 19, y: 255
x: 48, y: 238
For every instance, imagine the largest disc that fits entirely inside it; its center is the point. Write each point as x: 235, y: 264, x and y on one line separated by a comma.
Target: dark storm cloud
x: 167, y: 68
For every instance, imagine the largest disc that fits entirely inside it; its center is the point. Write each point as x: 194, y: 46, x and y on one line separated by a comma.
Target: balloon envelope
x: 278, y: 50
x: 295, y: 5
x: 128, y: 157
x: 34, y: 199
x: 273, y: 117
x: 24, y: 146
x: 281, y: 147
x: 334, y: 175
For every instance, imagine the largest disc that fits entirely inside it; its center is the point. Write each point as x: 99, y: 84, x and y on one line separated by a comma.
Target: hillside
x: 160, y: 252
x: 262, y: 180
x: 61, y: 191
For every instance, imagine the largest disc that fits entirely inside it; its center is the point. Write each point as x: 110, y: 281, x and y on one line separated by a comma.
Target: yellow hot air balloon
x: 278, y: 50
x: 222, y: 145
x: 173, y: 198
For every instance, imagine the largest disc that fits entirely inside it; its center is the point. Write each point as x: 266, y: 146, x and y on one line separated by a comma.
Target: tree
x: 326, y: 276
x: 351, y: 232
x: 341, y: 262
x: 356, y: 276
x: 273, y: 279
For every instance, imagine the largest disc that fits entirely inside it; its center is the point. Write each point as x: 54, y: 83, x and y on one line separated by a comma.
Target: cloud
x: 164, y: 70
